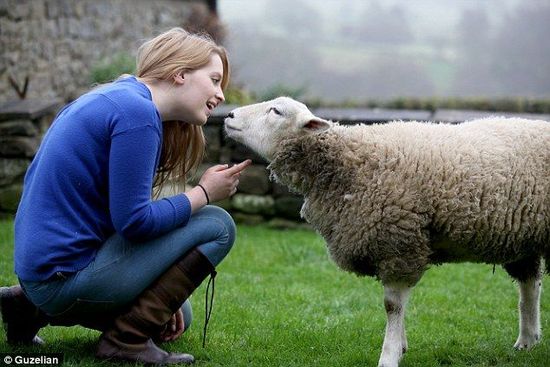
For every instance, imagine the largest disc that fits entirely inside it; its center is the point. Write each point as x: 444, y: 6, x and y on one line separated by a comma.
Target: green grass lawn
x: 281, y: 302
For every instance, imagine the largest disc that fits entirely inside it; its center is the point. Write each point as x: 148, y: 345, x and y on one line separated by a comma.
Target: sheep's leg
x: 395, y: 341
x: 529, y: 313
x: 527, y: 272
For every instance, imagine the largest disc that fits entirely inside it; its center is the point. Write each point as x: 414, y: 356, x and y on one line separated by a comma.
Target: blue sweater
x: 92, y: 176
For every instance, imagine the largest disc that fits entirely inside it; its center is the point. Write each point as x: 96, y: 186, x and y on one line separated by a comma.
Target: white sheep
x: 392, y: 199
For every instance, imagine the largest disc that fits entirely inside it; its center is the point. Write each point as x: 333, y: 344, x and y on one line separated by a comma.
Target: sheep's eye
x: 275, y: 111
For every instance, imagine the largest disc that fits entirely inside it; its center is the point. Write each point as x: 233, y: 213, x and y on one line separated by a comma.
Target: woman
x: 91, y: 246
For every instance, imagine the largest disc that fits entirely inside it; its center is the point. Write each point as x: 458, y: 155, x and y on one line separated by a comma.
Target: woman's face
x: 198, y: 92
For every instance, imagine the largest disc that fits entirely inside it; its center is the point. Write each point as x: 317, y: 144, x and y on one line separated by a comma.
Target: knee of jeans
x: 223, y: 226
x: 228, y: 230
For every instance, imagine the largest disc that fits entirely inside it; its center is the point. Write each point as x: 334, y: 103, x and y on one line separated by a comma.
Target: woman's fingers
x: 221, y: 181
x: 238, y: 168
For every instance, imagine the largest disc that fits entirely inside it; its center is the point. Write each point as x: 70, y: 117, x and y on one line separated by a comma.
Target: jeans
x: 122, y: 270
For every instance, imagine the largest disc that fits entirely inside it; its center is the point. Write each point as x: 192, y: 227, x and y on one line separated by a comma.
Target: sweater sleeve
x: 132, y: 166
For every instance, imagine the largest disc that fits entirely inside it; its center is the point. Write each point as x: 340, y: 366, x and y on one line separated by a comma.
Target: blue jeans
x: 122, y: 270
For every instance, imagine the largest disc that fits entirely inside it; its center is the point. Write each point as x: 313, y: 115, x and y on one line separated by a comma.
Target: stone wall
x: 22, y: 126
x: 55, y: 43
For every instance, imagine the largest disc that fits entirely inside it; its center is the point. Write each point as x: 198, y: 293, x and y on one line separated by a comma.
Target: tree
x: 521, y: 56
x: 295, y: 18
x: 383, y: 25
x: 473, y: 75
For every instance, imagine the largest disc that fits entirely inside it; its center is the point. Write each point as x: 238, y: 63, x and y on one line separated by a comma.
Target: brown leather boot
x: 95, y: 322
x: 129, y: 337
x: 20, y: 317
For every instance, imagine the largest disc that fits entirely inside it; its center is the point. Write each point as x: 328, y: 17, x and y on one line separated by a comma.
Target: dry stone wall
x: 55, y: 43
x: 22, y: 126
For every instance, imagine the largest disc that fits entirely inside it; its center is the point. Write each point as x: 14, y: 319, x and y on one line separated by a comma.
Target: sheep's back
x: 483, y: 185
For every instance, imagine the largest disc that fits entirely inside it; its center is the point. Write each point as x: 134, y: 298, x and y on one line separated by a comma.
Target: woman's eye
x: 215, y: 80
x: 275, y: 111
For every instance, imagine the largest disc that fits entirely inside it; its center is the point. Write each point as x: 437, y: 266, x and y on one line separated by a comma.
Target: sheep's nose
x: 230, y: 115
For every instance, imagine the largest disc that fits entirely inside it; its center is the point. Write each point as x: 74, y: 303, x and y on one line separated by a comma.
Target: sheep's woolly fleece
x: 391, y: 199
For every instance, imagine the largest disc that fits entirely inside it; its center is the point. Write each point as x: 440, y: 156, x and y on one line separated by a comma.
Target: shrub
x: 109, y: 69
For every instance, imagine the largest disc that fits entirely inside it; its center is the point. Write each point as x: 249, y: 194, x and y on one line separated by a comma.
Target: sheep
x: 392, y: 199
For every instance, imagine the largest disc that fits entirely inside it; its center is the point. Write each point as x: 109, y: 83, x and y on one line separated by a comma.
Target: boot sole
x: 107, y: 350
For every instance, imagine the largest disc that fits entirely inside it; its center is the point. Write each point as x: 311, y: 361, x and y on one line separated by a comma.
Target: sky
x: 341, y: 50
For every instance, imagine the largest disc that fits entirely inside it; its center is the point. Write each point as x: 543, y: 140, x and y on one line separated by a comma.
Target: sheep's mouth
x: 231, y: 128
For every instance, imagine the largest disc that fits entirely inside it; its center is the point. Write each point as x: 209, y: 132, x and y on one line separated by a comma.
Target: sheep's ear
x: 316, y: 125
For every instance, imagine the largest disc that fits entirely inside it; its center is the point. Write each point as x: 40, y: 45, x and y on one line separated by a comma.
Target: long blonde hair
x: 162, y: 58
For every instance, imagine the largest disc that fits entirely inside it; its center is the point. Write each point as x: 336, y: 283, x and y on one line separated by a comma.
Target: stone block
x: 194, y: 177
x: 37, y: 10
x: 289, y: 207
x: 280, y: 190
x: 4, y: 8
x: 240, y: 153
x: 254, y: 204
x: 28, y: 108
x: 18, y: 10
x: 248, y: 219
x: 213, y: 143
x: 44, y: 123
x: 225, y: 154
x: 59, y: 9
x: 254, y: 180
x: 18, y: 146
x: 18, y: 128
x: 224, y: 204
x: 12, y: 169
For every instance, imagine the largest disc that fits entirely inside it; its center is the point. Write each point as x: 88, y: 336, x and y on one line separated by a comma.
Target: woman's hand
x: 221, y: 181
x: 173, y: 328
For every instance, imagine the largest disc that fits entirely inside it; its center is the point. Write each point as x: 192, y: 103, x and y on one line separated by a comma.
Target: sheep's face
x: 264, y: 126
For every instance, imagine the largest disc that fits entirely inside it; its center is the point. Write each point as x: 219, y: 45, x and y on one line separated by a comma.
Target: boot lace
x: 207, y: 309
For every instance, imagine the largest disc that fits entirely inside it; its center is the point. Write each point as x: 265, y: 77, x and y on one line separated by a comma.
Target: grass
x: 281, y: 302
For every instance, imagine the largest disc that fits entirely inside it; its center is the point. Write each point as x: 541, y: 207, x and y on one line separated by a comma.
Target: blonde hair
x: 162, y: 58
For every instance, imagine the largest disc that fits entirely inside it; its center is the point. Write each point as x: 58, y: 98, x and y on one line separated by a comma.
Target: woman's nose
x: 220, y: 96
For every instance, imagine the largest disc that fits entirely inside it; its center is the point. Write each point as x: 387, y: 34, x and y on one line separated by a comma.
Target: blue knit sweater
x: 92, y: 177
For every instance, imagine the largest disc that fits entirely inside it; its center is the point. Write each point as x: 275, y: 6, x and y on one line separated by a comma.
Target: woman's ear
x: 179, y: 78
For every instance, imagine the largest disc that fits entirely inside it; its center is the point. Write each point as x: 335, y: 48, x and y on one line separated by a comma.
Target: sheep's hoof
x: 525, y: 343
x: 389, y: 361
